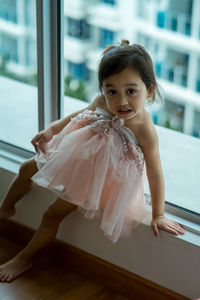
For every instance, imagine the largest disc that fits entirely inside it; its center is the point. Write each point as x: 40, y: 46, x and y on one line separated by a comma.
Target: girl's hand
x: 167, y: 225
x: 41, y: 139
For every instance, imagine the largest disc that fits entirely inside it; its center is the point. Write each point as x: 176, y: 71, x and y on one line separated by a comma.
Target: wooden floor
x: 48, y: 281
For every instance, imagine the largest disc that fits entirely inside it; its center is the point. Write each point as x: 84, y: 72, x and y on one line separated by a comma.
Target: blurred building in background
x: 168, y: 29
x: 18, y: 39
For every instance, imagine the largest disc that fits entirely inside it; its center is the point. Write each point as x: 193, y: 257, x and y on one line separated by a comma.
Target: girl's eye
x: 131, y: 91
x: 111, y: 92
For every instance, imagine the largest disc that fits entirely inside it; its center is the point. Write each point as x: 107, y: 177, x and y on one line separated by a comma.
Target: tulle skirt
x: 92, y: 171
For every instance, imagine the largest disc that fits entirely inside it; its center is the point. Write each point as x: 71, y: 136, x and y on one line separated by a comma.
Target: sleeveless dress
x: 96, y: 163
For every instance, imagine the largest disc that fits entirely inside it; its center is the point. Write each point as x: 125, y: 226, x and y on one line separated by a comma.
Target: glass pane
x: 18, y: 72
x: 155, y: 24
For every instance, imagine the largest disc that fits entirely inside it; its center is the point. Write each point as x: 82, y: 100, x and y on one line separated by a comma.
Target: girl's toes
x: 3, y: 278
x: 7, y: 279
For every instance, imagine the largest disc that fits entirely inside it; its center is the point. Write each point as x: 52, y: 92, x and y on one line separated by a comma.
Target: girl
x: 95, y: 159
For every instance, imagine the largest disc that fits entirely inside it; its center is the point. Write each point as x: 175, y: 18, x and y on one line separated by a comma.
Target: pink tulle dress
x: 96, y: 164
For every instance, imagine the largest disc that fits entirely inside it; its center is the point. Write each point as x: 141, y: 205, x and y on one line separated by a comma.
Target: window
x: 106, y: 38
x: 78, y: 28
x: 77, y: 71
x: 198, y: 77
x: 18, y: 75
x: 198, y: 85
x: 172, y: 116
x: 89, y: 28
x: 8, y: 10
x: 112, y: 2
x: 196, y: 127
x: 173, y: 67
x: 9, y: 49
x: 29, y: 16
x: 30, y: 54
x: 176, y: 16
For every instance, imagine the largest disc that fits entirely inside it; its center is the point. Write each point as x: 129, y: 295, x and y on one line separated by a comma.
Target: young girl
x: 95, y: 159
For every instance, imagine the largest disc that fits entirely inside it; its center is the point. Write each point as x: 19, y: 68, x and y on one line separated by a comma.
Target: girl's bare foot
x: 14, y: 268
x: 6, y: 213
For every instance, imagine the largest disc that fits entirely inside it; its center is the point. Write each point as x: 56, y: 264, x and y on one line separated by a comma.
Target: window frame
x: 50, y: 49
x: 182, y: 212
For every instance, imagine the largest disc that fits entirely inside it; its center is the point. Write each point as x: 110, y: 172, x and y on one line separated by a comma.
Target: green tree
x: 75, y: 88
x: 4, y: 59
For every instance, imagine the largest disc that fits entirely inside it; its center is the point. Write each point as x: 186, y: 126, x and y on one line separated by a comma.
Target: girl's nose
x: 123, y: 100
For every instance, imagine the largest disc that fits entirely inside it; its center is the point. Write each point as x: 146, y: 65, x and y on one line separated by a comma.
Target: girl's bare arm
x: 46, y: 135
x: 150, y: 146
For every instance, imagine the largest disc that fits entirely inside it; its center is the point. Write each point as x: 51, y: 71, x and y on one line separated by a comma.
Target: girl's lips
x: 124, y: 112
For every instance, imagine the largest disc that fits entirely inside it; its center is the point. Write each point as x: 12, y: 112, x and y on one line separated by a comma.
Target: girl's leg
x: 18, y: 188
x: 43, y: 236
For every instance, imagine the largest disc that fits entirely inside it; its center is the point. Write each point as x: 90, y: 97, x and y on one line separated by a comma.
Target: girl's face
x: 125, y: 94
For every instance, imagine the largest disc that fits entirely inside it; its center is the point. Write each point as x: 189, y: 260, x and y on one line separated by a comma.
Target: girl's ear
x: 151, y: 90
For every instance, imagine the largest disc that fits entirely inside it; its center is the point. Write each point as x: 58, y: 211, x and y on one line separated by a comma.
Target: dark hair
x: 116, y: 58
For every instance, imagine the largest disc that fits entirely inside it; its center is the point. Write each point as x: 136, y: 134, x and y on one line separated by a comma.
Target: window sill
x: 10, y: 162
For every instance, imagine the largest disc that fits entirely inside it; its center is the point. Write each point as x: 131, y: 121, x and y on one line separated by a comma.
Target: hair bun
x: 108, y: 48
x: 124, y: 43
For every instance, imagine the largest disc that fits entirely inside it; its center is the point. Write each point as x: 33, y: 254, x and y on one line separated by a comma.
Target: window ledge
x: 192, y: 230
x: 10, y: 162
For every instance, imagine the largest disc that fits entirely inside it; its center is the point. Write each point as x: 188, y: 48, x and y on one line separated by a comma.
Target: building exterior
x: 18, y: 36
x: 168, y: 29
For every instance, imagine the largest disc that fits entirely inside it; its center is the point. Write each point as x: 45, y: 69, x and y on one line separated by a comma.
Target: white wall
x: 169, y: 261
